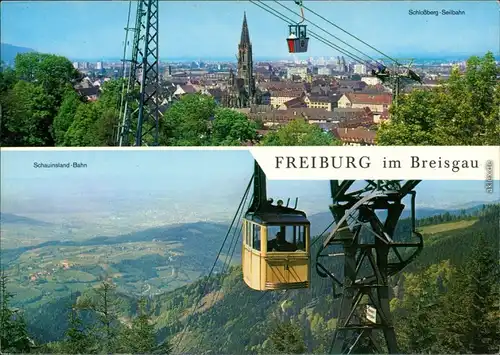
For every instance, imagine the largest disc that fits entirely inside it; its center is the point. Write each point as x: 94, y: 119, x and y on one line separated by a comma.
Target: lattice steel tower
x: 372, y: 251
x: 139, y: 108
x: 397, y: 76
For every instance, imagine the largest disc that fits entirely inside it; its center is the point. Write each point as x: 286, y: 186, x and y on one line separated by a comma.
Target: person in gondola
x: 280, y: 244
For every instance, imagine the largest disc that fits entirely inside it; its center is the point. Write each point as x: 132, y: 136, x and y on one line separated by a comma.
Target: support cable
x: 353, y: 36
x: 328, y: 33
x: 289, y: 21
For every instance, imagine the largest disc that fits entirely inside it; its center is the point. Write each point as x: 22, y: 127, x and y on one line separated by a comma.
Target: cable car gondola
x: 297, y: 40
x: 276, y: 242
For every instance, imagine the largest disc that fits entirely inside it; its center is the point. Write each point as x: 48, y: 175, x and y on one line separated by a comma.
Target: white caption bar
x: 382, y: 163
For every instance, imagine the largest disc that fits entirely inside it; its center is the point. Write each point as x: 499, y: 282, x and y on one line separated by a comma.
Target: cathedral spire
x: 245, y: 36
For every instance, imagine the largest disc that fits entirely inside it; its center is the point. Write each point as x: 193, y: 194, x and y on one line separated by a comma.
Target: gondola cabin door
x: 276, y: 257
x: 251, y: 254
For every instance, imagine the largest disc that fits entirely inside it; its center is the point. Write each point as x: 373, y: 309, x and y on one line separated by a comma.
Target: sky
x: 211, y: 29
x: 207, y: 184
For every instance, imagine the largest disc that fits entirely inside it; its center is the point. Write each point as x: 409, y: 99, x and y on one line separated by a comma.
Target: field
x: 147, y: 262
x: 436, y: 232
x: 50, y: 272
x: 446, y: 227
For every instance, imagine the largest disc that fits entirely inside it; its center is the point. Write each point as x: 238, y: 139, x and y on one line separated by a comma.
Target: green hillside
x: 236, y: 315
x: 221, y: 314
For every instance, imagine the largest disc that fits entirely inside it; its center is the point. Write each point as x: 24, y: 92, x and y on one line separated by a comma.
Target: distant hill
x: 475, y: 205
x: 8, y: 52
x: 194, y: 237
x: 9, y: 218
x: 178, y: 232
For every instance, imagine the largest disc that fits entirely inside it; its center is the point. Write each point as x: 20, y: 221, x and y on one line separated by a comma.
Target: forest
x: 445, y: 302
x: 41, y: 108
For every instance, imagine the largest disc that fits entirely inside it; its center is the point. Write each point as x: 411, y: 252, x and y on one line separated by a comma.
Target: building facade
x: 377, y: 103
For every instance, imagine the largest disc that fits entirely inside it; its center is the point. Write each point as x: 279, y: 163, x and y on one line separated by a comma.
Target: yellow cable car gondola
x: 276, y: 242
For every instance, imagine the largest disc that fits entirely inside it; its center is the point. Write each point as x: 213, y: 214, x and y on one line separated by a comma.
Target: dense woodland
x: 41, y: 108
x: 445, y: 302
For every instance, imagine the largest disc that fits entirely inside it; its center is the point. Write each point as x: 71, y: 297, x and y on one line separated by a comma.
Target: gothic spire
x: 245, y: 36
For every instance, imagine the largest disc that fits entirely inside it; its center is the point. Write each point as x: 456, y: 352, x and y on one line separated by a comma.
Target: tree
x: 27, y: 116
x: 195, y: 120
x: 186, y: 122
x: 104, y: 128
x: 418, y: 314
x: 31, y: 96
x: 78, y: 338
x: 108, y: 105
x: 471, y: 306
x: 140, y: 338
x: 66, y: 116
x: 299, y: 133
x: 81, y: 133
x: 230, y: 128
x: 464, y: 110
x: 14, y: 337
x: 259, y: 123
x: 94, y: 123
x: 111, y: 92
x: 52, y: 72
x: 7, y: 79
x: 104, y: 303
x: 286, y: 337
x: 322, y: 332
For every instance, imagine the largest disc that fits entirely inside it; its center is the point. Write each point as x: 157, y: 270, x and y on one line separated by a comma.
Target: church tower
x: 245, y: 61
x: 241, y: 90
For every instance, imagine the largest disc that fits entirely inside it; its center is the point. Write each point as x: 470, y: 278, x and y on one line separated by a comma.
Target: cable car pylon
x: 395, y: 77
x: 370, y: 256
x: 139, y: 108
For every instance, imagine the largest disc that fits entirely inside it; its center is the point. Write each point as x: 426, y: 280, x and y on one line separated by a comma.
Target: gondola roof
x: 274, y: 218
